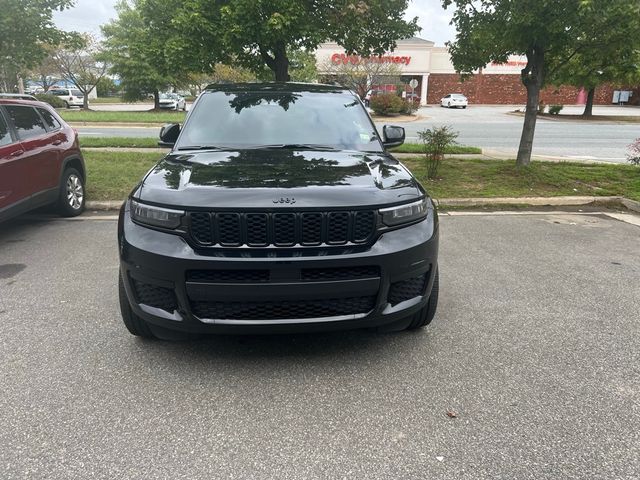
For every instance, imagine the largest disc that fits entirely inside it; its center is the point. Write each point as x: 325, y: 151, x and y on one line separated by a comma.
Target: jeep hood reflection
x: 266, y: 179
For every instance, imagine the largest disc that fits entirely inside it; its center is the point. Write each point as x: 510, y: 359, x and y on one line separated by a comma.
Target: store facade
x: 412, y: 57
x: 432, y: 68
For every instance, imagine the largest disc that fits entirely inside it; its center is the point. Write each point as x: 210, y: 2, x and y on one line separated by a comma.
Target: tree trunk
x: 20, y: 85
x: 156, y: 100
x: 85, y: 100
x: 588, y: 108
x: 529, y: 127
x: 533, y: 78
x: 281, y: 64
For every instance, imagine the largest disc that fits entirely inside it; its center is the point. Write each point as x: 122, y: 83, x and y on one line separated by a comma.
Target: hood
x: 278, y: 179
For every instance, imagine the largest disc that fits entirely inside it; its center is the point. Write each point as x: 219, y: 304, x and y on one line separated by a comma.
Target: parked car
x: 277, y: 209
x: 18, y: 96
x: 71, y: 96
x: 40, y: 160
x: 172, y: 101
x: 454, y: 100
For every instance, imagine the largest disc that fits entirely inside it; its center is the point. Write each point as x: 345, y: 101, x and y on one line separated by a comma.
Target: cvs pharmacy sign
x: 344, y: 59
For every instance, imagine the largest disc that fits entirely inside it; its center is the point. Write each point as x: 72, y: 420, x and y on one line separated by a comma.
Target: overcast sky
x: 88, y: 15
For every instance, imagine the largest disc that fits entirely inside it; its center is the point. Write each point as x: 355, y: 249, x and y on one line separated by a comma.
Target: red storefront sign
x: 343, y: 58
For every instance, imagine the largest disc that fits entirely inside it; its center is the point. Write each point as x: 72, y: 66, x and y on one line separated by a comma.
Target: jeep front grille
x: 287, y: 229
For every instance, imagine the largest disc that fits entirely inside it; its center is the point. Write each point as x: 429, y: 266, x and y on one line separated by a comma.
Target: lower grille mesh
x: 154, y: 296
x: 407, y: 289
x: 283, y: 309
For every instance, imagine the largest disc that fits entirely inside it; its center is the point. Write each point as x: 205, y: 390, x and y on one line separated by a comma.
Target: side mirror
x: 169, y: 134
x: 392, y: 136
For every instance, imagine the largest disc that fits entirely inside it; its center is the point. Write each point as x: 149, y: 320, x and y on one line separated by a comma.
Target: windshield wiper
x: 202, y: 147
x: 294, y: 146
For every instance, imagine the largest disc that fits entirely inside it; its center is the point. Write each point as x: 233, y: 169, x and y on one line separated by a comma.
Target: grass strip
x: 464, y: 178
x: 452, y: 150
x: 89, y: 116
x: 118, y: 142
x: 112, y: 175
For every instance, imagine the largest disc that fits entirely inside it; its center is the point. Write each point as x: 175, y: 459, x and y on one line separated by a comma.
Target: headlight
x: 407, y: 213
x: 155, y: 216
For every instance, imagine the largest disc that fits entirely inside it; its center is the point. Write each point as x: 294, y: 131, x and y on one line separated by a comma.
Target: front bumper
x: 170, y: 284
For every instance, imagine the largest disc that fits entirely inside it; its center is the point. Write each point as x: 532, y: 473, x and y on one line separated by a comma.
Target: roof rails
x: 18, y: 96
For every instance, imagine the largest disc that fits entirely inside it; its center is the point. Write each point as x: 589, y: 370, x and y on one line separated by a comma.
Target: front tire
x: 71, y: 199
x: 426, y: 314
x: 136, y: 325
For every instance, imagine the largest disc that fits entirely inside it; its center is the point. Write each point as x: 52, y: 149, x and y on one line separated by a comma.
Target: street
x: 493, y: 128
x: 531, y: 369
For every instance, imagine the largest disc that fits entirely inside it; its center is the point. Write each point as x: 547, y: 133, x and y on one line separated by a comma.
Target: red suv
x: 40, y: 160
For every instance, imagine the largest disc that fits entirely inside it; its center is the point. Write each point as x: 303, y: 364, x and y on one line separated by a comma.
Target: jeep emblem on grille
x: 285, y: 200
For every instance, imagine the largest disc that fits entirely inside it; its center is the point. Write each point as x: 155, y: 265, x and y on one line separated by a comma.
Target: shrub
x: 634, y: 153
x: 409, y: 106
x: 555, y: 109
x: 436, y: 141
x: 55, y: 102
x: 386, y: 104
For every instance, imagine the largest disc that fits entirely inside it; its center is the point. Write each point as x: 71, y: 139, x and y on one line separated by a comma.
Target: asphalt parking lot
x: 531, y: 369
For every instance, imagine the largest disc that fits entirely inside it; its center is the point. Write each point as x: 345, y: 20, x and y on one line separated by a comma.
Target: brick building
x: 431, y: 66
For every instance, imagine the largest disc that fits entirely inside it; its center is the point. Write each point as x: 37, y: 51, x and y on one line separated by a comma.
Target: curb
x: 632, y: 205
x: 541, y: 202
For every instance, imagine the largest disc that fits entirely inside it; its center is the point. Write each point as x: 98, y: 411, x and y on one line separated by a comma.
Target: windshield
x: 271, y: 118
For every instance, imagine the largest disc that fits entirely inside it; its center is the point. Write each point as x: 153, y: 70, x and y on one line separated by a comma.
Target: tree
x: 26, y: 26
x: 78, y: 62
x: 549, y: 32
x: 614, y: 55
x: 46, y: 72
x: 265, y: 32
x: 136, y: 54
x: 362, y: 74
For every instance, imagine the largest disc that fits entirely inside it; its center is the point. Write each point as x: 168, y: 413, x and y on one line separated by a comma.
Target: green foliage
x: 549, y: 32
x: 613, y: 51
x: 555, y: 109
x: 200, y: 33
x: 387, y: 104
x: 634, y: 153
x: 25, y: 27
x: 106, y: 87
x: 136, y: 53
x: 55, y: 102
x: 436, y: 141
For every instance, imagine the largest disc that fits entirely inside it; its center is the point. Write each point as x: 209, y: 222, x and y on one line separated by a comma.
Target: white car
x: 70, y: 96
x: 454, y: 100
x: 172, y: 101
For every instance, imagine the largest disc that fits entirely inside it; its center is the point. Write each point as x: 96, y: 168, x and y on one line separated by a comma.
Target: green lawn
x: 119, y: 142
x: 112, y: 175
x: 122, y: 117
x: 500, y: 178
x: 419, y: 148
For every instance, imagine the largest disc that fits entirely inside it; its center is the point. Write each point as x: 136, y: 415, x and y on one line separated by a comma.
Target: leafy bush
x: 386, y: 104
x: 634, y: 153
x: 555, y: 109
x: 409, y: 106
x: 436, y: 141
x: 55, y: 102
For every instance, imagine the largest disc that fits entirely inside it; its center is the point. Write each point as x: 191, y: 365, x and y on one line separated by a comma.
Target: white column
x: 424, y: 89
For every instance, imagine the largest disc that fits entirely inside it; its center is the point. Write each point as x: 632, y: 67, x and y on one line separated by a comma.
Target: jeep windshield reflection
x: 275, y: 119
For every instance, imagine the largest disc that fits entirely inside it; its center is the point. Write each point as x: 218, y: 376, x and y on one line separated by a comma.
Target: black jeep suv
x: 277, y: 209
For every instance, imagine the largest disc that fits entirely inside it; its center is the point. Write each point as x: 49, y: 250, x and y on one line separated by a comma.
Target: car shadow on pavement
x: 350, y: 346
